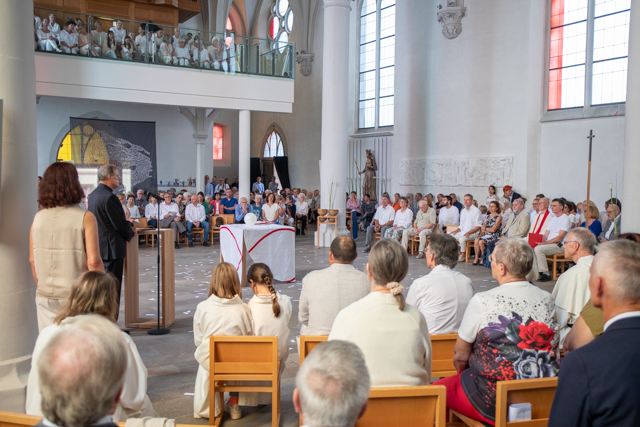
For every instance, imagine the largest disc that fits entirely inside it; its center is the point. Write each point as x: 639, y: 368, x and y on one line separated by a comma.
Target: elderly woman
x: 593, y: 220
x: 392, y: 335
x: 257, y: 210
x: 63, y: 241
x: 490, y: 231
x: 218, y: 54
x: 95, y: 293
x: 507, y: 333
x: 201, y: 56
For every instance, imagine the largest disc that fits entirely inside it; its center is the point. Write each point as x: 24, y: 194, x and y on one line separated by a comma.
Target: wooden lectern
x: 132, y: 281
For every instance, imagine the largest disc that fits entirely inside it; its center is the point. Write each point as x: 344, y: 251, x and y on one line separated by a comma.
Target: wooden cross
x: 586, y: 208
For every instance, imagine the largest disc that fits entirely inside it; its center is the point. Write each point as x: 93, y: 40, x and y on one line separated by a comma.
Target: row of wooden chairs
x: 197, y: 233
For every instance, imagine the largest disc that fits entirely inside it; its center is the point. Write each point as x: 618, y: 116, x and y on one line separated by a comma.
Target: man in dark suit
x: 598, y: 383
x: 510, y: 194
x: 81, y: 373
x: 113, y: 228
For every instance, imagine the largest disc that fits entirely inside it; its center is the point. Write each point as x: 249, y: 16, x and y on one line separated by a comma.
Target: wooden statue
x: 369, y: 171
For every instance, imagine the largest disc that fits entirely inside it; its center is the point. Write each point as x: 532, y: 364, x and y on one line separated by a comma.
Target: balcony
x: 134, y: 61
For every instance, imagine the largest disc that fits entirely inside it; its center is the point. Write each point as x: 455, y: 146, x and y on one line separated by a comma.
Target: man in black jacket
x: 113, y: 228
x: 598, y: 383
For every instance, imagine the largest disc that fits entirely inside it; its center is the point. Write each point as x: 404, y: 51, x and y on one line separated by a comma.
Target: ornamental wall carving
x: 475, y: 172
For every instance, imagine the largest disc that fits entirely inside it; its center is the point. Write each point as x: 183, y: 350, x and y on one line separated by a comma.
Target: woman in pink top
x: 354, y: 203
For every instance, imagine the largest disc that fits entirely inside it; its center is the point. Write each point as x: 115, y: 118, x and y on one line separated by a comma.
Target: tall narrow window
x: 229, y: 39
x: 377, y: 61
x: 588, y: 51
x: 280, y: 24
x: 273, y: 146
x: 217, y: 143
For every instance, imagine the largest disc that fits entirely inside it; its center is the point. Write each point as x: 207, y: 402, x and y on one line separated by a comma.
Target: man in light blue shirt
x: 258, y: 186
x: 208, y: 187
x: 242, y: 209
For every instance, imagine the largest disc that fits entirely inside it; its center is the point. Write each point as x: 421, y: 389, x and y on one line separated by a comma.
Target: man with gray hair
x: 518, y: 223
x: 598, y: 383
x: 332, y: 385
x: 571, y: 292
x: 81, y: 373
x: 113, y: 228
x: 442, y: 295
x: 242, y: 209
x: 423, y: 226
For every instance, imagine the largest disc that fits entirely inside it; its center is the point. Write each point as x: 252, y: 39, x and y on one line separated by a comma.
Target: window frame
x: 587, y: 110
x: 266, y: 141
x: 378, y: 41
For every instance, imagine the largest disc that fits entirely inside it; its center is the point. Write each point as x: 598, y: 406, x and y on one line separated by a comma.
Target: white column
x: 18, y: 175
x: 335, y: 112
x: 200, y: 141
x: 631, y: 173
x: 244, y: 153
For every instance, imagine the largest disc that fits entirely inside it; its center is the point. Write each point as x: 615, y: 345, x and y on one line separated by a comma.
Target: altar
x: 274, y: 245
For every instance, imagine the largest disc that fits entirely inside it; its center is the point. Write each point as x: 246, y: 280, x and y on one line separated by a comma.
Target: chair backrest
x: 142, y: 223
x: 308, y: 343
x: 442, y: 355
x: 13, y: 419
x: 406, y: 406
x: 226, y: 218
x: 243, y: 355
x: 538, y: 391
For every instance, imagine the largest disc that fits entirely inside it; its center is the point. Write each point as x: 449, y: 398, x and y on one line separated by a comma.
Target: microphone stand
x: 158, y: 330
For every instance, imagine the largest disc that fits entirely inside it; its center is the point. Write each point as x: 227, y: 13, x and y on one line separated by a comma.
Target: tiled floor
x: 169, y: 358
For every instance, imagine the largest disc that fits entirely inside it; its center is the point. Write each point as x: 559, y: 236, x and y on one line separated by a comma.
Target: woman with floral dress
x: 490, y: 231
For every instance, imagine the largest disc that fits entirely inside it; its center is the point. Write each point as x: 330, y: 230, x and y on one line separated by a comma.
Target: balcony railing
x: 96, y: 36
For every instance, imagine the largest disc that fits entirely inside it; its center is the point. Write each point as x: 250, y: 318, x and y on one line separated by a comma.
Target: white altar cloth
x: 271, y: 244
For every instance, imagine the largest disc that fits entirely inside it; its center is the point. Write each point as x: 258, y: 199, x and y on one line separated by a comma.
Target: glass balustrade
x: 96, y: 36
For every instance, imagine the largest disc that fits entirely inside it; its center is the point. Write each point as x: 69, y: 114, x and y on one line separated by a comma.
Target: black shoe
x: 177, y: 246
x: 544, y: 277
x: 205, y: 244
x: 190, y: 244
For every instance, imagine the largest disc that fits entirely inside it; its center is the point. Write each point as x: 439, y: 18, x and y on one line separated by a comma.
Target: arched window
x: 377, y: 60
x: 280, y: 24
x: 273, y: 145
x: 228, y: 39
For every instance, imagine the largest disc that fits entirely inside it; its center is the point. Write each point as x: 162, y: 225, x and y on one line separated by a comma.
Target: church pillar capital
x: 305, y: 60
x: 337, y: 3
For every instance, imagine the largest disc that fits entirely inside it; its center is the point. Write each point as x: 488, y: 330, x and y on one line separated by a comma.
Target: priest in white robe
x: 571, y: 292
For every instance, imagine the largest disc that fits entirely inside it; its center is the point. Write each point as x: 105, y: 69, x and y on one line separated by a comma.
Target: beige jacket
x: 518, y: 227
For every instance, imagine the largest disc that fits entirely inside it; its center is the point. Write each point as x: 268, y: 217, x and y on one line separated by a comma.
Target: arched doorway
x: 273, y: 147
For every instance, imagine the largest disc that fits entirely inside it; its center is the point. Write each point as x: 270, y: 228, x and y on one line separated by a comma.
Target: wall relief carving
x: 476, y: 172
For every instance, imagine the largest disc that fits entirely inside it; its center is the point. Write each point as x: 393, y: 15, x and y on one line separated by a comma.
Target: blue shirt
x: 595, y: 227
x: 258, y: 186
x: 229, y: 205
x: 208, y: 190
x: 240, y: 215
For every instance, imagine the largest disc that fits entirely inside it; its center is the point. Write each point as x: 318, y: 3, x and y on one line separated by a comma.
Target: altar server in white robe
x: 271, y: 313
x: 571, y: 292
x: 95, y: 293
x: 223, y: 313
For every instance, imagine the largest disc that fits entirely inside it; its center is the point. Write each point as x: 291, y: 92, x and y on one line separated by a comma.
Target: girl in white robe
x: 95, y: 293
x: 223, y: 313
x: 271, y: 313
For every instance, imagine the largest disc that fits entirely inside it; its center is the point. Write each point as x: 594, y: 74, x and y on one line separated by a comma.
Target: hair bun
x: 395, y: 288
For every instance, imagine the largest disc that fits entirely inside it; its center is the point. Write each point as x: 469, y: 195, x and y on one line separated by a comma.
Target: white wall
x: 302, y: 127
x: 565, y: 152
x: 175, y: 149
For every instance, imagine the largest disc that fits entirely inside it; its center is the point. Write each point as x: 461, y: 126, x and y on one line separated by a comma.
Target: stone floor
x: 169, y: 358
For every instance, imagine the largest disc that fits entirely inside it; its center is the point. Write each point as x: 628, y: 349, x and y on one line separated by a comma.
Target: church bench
x: 556, y: 259
x: 538, y: 391
x: 442, y: 355
x: 308, y: 343
x: 13, y: 419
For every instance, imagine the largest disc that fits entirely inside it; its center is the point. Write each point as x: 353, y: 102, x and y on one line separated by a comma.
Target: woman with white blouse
x: 392, y: 335
x: 151, y: 212
x: 132, y: 208
x: 223, y: 313
x: 95, y: 293
x: 166, y: 51
x: 109, y: 46
x: 271, y: 312
x: 182, y: 52
x: 47, y: 41
x: 69, y: 38
x: 270, y: 210
x: 201, y: 56
x: 127, y: 49
x: 492, y: 195
x: 99, y: 37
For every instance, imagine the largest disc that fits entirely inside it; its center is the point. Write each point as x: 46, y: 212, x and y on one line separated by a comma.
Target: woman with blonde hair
x: 223, y: 313
x: 131, y: 207
x: 63, y: 241
x: 392, y: 335
x: 593, y: 220
x: 95, y: 292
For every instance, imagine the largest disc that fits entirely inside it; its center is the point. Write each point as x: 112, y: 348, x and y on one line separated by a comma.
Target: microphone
x: 148, y: 193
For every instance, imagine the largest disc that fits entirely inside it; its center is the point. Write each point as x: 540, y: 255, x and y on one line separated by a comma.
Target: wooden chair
x: 215, y: 224
x: 374, y: 237
x: 239, y: 358
x: 197, y: 232
x: 406, y: 406
x: 539, y: 392
x: 554, y: 260
x: 442, y: 355
x: 308, y: 343
x: 414, y: 244
x: 467, y: 251
x: 13, y: 419
x: 142, y: 223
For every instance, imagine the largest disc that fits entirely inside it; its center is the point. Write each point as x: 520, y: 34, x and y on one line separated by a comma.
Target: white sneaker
x: 234, y: 411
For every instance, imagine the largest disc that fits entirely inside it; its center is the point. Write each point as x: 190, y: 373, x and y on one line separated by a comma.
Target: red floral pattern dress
x: 516, y: 340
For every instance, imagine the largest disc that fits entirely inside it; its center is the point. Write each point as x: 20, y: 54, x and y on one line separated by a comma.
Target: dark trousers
x: 366, y: 219
x: 115, y: 266
x: 303, y: 218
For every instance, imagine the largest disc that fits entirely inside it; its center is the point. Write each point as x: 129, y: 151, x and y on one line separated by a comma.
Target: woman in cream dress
x: 392, y: 335
x: 270, y: 209
x: 223, y: 313
x: 95, y: 293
